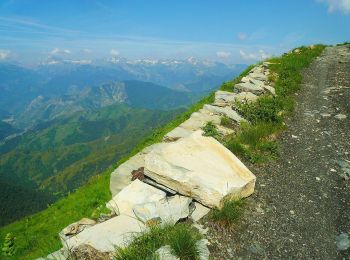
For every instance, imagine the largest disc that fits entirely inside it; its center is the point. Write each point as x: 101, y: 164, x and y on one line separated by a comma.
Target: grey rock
x: 249, y: 87
x: 203, y: 249
x: 165, y: 253
x: 227, y: 111
x: 340, y: 116
x: 199, y: 212
x: 343, y: 242
x: 76, y: 228
x: 169, y: 210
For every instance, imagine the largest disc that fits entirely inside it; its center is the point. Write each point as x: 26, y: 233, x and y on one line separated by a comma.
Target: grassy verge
x: 256, y: 141
x: 181, y: 238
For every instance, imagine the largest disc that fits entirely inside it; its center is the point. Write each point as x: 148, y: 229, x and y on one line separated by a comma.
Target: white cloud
x: 223, y: 54
x: 59, y: 51
x: 260, y: 55
x: 55, y: 51
x: 114, y: 52
x: 81, y: 61
x: 241, y: 36
x: 337, y: 5
x: 4, y: 54
x: 87, y: 51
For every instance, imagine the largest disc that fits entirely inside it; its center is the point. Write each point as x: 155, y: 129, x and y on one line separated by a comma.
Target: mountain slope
x: 61, y: 155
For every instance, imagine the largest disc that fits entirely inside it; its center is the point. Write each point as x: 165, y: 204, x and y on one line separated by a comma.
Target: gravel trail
x: 302, y: 200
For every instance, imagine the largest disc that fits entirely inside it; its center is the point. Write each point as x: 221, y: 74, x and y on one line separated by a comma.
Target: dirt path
x: 302, y: 200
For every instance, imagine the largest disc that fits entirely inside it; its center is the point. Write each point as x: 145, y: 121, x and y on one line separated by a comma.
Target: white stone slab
x: 200, y: 167
x: 227, y: 111
x: 104, y: 237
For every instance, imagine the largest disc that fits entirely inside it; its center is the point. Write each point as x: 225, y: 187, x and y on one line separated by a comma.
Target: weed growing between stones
x: 210, y: 130
x: 225, y: 121
x: 181, y: 238
x: 229, y: 213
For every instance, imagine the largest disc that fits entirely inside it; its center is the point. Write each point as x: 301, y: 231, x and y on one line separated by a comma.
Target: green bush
x: 265, y: 109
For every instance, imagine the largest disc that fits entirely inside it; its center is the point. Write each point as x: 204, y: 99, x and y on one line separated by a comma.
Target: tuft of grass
x: 210, y: 130
x: 225, y: 121
x: 182, y: 239
x: 230, y: 212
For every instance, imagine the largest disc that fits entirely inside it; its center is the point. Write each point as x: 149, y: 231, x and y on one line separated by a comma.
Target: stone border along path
x: 177, y: 180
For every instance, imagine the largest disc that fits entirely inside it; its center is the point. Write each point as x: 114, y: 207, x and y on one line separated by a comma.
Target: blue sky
x: 231, y: 31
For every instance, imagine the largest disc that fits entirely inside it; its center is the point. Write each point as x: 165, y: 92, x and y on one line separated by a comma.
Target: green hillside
x: 62, y: 155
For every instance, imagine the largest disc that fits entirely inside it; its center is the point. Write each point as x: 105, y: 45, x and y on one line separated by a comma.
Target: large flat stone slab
x: 249, y: 87
x: 199, y: 120
x: 121, y: 176
x: 258, y: 76
x: 135, y: 193
x: 200, y: 167
x: 227, y: 111
x: 118, y: 231
x: 176, y: 133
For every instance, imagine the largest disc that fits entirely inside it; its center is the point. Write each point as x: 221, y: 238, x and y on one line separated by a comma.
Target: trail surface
x: 302, y: 200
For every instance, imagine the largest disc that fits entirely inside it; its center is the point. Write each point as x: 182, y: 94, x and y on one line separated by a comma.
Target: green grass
x: 181, y: 238
x: 230, y: 212
x: 254, y: 143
